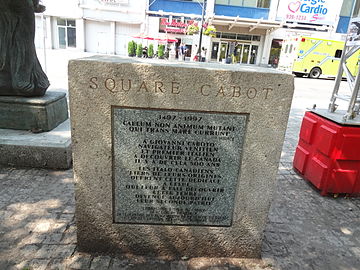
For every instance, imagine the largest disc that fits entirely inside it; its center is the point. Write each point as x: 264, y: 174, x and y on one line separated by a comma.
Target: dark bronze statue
x: 20, y: 71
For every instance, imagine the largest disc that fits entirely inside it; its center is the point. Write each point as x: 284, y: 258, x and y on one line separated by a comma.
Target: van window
x: 338, y: 53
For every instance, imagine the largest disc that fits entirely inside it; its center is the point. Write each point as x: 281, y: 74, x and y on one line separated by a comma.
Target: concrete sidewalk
x: 304, y: 231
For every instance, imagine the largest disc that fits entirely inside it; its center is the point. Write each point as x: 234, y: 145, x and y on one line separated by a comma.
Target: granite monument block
x: 175, y: 159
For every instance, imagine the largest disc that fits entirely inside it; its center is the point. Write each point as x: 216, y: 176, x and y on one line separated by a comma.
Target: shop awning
x: 168, y: 40
x: 251, y: 24
x: 144, y: 37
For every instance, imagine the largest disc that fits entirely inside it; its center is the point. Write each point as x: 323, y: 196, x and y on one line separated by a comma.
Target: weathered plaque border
x: 113, y: 107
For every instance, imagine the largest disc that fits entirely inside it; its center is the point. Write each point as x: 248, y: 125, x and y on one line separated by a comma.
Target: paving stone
x: 59, y: 227
x: 100, y: 262
x: 38, y: 264
x: 66, y: 217
x: 57, y: 264
x: 28, y: 251
x: 42, y: 227
x: 118, y: 264
x: 79, y: 261
x: 33, y: 238
x: 178, y: 265
x: 54, y: 238
x: 69, y: 238
x: 64, y: 251
x: 149, y: 265
x: 46, y: 251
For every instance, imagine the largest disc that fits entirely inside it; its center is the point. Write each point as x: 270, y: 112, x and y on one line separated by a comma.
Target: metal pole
x: 201, y: 30
x: 44, y: 39
x: 351, y: 109
x: 332, y: 105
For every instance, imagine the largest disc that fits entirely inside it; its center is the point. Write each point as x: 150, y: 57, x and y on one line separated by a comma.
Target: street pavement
x: 304, y: 230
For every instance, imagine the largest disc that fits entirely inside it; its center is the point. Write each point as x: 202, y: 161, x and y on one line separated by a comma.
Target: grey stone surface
x: 22, y: 148
x: 182, y: 165
x: 104, y: 82
x: 33, y: 113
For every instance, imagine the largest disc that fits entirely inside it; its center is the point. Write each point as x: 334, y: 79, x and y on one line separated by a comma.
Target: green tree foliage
x: 192, y: 29
x: 210, y: 31
x: 161, y: 49
x: 139, y: 50
x: 150, y: 51
x: 131, y: 48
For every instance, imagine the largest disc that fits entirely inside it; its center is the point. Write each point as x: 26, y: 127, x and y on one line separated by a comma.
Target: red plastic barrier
x: 328, y: 155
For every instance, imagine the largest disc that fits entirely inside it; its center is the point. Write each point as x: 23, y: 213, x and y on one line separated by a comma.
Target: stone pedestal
x: 175, y: 159
x: 35, y: 132
x: 34, y: 113
x: 22, y: 148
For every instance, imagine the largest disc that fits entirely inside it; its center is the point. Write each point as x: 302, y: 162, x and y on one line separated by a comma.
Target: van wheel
x: 315, y: 73
x: 299, y: 74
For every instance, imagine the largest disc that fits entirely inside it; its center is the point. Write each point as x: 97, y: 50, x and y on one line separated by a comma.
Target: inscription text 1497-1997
x: 176, y: 167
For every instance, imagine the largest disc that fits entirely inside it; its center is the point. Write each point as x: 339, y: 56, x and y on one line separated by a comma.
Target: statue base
x: 50, y: 150
x: 36, y: 114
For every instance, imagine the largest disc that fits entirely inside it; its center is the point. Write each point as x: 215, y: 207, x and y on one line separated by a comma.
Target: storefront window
x: 223, y: 50
x: 235, y: 2
x: 245, y: 54
x: 243, y: 37
x: 346, y: 8
x: 275, y: 50
x: 229, y: 35
x: 263, y: 3
x: 237, y: 36
x: 214, y: 50
x: 357, y: 9
x: 250, y: 3
x: 222, y: 2
x: 238, y: 52
x: 254, y: 50
x: 245, y: 3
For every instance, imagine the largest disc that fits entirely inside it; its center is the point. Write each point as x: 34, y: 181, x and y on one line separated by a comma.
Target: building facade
x: 241, y: 26
x: 98, y: 26
x: 251, y: 31
x: 247, y: 31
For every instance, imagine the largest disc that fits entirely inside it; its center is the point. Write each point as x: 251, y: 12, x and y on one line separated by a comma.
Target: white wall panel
x: 97, y: 37
x: 125, y: 33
